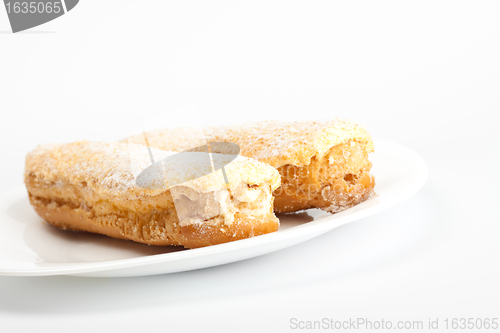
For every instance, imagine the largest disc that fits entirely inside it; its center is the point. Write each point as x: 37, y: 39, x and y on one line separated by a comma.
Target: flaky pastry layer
x: 91, y: 187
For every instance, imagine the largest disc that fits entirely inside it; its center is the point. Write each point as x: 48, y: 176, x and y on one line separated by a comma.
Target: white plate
x: 30, y: 247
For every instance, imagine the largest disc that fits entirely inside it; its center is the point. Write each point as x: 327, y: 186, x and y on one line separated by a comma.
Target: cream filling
x: 249, y: 195
x: 194, y: 207
x: 259, y: 207
x: 225, y: 211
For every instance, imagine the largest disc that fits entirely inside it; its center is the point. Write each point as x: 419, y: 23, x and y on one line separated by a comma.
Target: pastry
x: 323, y: 164
x: 151, y: 196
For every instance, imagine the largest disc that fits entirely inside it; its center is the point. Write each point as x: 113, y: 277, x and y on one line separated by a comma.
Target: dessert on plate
x: 172, y: 187
x: 118, y: 189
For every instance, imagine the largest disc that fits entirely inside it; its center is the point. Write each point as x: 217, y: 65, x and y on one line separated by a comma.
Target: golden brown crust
x: 323, y: 164
x: 280, y: 143
x: 90, y: 187
x: 338, y: 180
x: 68, y: 218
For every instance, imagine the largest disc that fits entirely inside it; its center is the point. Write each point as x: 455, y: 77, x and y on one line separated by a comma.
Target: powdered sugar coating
x: 110, y: 169
x: 290, y: 142
x: 274, y: 142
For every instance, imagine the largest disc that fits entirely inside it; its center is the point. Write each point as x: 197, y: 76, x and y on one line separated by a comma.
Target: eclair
x: 149, y: 195
x: 323, y: 164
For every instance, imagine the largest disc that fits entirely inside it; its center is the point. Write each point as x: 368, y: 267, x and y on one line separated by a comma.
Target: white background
x: 425, y: 74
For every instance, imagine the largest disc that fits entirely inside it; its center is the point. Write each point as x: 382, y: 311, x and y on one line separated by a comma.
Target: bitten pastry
x: 116, y: 190
x: 323, y: 164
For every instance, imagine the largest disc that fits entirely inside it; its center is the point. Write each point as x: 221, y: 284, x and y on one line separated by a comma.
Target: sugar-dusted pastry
x: 117, y: 189
x: 323, y: 164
